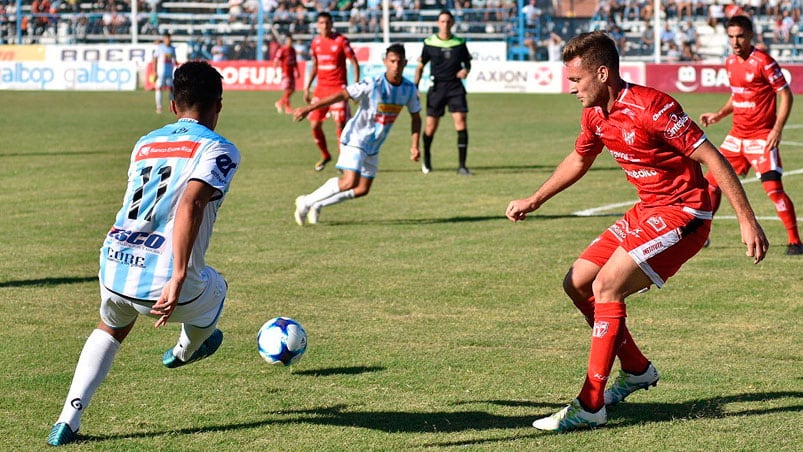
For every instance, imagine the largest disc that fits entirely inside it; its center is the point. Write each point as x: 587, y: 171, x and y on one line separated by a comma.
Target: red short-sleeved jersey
x: 286, y: 56
x: 331, y: 54
x: 651, y: 138
x: 754, y: 83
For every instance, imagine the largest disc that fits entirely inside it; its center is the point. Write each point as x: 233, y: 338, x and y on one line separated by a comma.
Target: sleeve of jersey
x: 414, y: 104
x: 217, y: 165
x: 773, y: 73
x: 587, y: 143
x: 347, y: 47
x: 360, y: 89
x: 675, y: 127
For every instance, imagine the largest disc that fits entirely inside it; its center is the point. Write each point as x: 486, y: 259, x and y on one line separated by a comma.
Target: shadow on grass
x: 421, y: 221
x: 49, y: 281
x: 484, y: 169
x: 620, y: 416
x: 355, y: 370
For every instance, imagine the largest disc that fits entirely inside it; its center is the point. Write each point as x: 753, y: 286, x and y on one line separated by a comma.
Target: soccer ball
x: 282, y: 340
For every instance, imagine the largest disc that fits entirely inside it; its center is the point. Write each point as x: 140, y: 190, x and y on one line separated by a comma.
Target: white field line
x: 608, y: 207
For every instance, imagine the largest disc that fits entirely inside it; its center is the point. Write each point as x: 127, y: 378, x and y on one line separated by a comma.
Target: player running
x: 286, y: 59
x: 660, y: 150
x: 756, y: 83
x: 329, y: 52
x: 381, y: 100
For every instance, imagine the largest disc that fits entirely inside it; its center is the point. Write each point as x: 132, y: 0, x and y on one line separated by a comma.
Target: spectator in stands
x: 554, y: 46
x: 220, y: 51
x: 689, y: 36
x: 716, y: 14
x: 615, y: 32
x: 647, y: 40
x: 358, y: 22
x: 300, y: 23
x: 235, y: 10
x: 532, y: 14
x: 672, y: 52
x: 668, y: 36
x: 785, y: 26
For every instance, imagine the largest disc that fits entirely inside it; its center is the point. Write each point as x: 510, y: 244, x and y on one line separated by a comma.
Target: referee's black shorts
x: 441, y: 94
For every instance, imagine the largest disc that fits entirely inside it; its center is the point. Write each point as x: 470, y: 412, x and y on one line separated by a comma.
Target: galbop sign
x: 698, y: 78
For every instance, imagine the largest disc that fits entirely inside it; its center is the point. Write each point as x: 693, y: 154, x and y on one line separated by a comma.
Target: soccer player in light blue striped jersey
x: 382, y: 99
x: 152, y: 261
x: 164, y: 63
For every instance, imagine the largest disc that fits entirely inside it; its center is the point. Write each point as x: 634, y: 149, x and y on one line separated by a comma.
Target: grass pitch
x: 433, y: 322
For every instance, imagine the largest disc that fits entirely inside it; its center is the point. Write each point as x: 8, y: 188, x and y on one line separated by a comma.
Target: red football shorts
x: 339, y: 112
x: 743, y: 154
x: 659, y: 239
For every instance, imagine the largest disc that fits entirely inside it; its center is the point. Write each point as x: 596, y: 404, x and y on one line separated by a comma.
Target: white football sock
x: 158, y: 98
x: 190, y: 340
x: 334, y: 199
x: 329, y: 188
x: 93, y: 365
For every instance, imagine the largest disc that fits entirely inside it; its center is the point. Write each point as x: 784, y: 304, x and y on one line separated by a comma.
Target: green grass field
x: 433, y: 322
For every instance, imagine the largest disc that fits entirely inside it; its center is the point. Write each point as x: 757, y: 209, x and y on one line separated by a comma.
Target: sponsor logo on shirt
x: 137, y: 239
x: 624, y: 156
x: 677, y: 125
x: 662, y: 111
x: 167, y: 149
x: 642, y: 173
x: 744, y: 104
x: 121, y: 257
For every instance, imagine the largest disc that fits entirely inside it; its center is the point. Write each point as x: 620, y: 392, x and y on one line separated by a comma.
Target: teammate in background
x: 660, y: 150
x: 329, y: 51
x: 286, y: 58
x: 381, y: 99
x: 164, y: 62
x: 756, y: 83
x: 450, y: 65
x: 152, y: 261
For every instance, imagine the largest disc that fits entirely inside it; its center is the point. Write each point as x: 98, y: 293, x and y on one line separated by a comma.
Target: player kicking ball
x: 660, y: 150
x: 381, y: 100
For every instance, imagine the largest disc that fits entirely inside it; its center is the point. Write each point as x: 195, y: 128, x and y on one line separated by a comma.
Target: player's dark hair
x: 595, y: 49
x: 740, y: 21
x: 447, y: 12
x: 325, y: 14
x: 397, y: 48
x: 197, y: 85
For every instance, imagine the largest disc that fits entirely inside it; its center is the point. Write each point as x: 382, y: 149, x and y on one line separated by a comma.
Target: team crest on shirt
x: 629, y: 136
x: 749, y: 76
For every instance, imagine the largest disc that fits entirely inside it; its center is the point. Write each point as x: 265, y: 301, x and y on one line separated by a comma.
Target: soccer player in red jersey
x: 660, y: 150
x: 286, y: 58
x: 329, y: 52
x: 758, y: 120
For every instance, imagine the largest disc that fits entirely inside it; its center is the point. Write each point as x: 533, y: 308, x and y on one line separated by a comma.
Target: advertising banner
x: 706, y: 78
x: 78, y: 76
x: 241, y: 75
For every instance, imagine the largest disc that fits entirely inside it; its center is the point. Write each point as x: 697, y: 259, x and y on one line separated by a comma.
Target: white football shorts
x: 353, y: 159
x: 118, y: 311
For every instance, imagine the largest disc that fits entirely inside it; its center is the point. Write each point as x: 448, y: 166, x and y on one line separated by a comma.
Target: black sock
x: 427, y: 146
x: 462, y: 147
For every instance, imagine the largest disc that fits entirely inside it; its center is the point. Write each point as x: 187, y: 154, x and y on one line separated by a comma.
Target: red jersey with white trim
x: 286, y: 57
x: 651, y: 138
x: 331, y: 54
x: 754, y: 83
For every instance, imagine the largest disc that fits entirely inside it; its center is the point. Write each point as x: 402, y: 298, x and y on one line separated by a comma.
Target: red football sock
x: 609, y: 322
x: 784, y: 208
x: 630, y: 356
x: 320, y: 140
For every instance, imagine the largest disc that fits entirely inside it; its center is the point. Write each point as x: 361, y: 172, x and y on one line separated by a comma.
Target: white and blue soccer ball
x: 282, y: 340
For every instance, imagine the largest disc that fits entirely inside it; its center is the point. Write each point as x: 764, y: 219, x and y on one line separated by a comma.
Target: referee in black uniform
x: 451, y: 63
